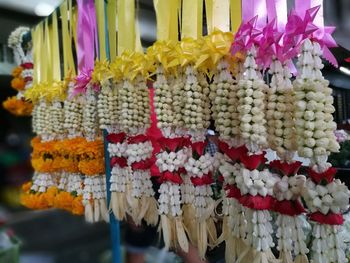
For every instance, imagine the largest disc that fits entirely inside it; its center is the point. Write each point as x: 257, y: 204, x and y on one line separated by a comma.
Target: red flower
x: 199, y: 147
x: 27, y: 65
x: 329, y: 219
x: 236, y: 153
x: 171, y: 144
x: 116, y: 137
x: 231, y: 152
x: 221, y: 179
x: 121, y: 161
x: 223, y: 146
x: 252, y: 162
x: 327, y: 175
x: 143, y: 165
x: 137, y: 139
x: 173, y: 177
x: 288, y: 169
x: 233, y: 191
x: 257, y: 202
x: 347, y: 59
x: 204, y: 180
x: 155, y: 170
x: 287, y: 207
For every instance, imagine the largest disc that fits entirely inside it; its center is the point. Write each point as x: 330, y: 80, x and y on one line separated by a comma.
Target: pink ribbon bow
x: 269, y: 45
x: 246, y: 36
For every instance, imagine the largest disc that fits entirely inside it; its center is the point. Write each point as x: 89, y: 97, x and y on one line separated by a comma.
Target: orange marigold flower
x: 77, y: 206
x: 34, y: 201
x: 16, y: 72
x: 18, y: 107
x: 63, y: 200
x: 92, y: 167
x: 50, y: 194
x: 18, y: 83
x: 43, y: 166
x: 26, y: 186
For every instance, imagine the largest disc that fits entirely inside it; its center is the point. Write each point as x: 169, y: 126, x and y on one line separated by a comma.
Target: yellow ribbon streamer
x: 209, y: 15
x: 221, y: 15
x: 46, y: 53
x: 167, y: 19
x: 192, y: 13
x: 126, y: 25
x: 68, y: 62
x: 73, y: 24
x: 37, y: 46
x: 100, y: 15
x: 55, y: 55
x: 218, y: 15
x: 138, y: 44
x: 174, y: 8
x: 236, y: 14
x: 112, y: 28
x: 162, y: 15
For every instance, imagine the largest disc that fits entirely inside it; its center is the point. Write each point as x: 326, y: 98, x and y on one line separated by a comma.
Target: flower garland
x: 22, y: 74
x: 325, y: 197
x: 255, y: 182
x: 18, y: 107
x: 282, y: 139
x: 94, y: 193
x: 109, y: 113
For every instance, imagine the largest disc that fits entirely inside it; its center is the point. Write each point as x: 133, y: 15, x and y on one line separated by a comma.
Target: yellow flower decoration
x: 101, y: 72
x: 115, y: 69
x: 56, y: 90
x: 187, y: 51
x: 162, y: 52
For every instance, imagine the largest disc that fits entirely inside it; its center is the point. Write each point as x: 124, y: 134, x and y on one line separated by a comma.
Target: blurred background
x: 56, y: 236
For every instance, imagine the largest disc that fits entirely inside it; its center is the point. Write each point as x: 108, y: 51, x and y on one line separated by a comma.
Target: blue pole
x: 114, y: 224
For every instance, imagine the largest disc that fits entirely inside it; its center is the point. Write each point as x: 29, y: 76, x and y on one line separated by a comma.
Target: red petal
x: 116, y: 137
x: 204, y: 180
x: 170, y: 177
x: 252, y: 162
x: 143, y: 165
x: 327, y: 175
x: 257, y: 202
x: 120, y: 161
x: 233, y: 192
x: 329, y: 219
x: 199, y: 147
x: 288, y: 169
x: 170, y: 144
x: 140, y: 138
x: 287, y: 207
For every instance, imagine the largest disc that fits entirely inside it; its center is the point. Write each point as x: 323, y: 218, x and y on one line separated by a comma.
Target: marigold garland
x: 70, y: 155
x: 17, y: 71
x: 18, y: 107
x: 36, y: 200
x: 18, y: 83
